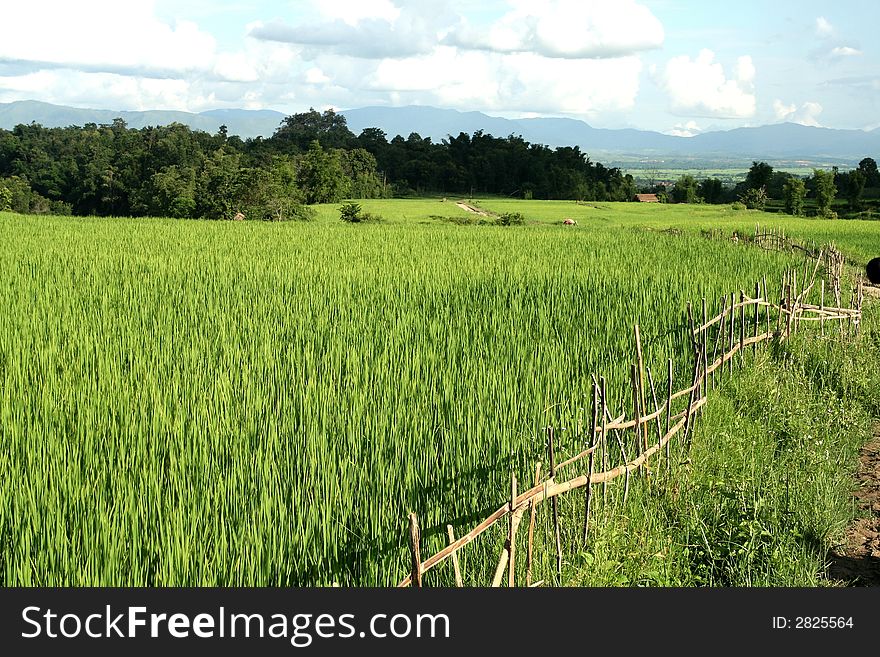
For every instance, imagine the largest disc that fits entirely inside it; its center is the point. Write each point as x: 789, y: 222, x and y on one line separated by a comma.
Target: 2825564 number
x: 822, y: 622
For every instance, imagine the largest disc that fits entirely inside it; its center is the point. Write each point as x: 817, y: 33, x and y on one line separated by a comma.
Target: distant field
x: 224, y: 403
x: 860, y: 239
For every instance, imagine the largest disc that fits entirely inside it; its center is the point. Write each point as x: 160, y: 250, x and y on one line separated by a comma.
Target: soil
x: 470, y: 208
x: 857, y: 561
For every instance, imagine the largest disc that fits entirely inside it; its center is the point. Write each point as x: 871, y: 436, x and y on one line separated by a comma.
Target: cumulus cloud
x: 568, y: 29
x: 806, y: 114
x: 700, y: 87
x: 513, y: 82
x: 103, y: 35
x: 375, y: 29
x: 688, y: 129
x: 845, y: 51
x: 823, y: 27
x: 371, y: 38
x: 114, y: 91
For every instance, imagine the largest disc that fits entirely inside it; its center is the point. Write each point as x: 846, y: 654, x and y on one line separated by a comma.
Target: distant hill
x: 244, y: 123
x: 780, y: 141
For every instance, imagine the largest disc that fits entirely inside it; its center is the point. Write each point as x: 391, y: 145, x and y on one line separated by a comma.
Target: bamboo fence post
x: 822, y: 309
x: 637, y: 411
x: 757, y: 315
x: 793, y: 295
x: 704, y: 338
x: 656, y: 407
x: 499, y: 569
x: 781, y: 308
x: 767, y: 299
x: 604, y: 445
x: 588, y: 489
x: 641, y: 362
x: 742, y: 326
x: 532, y: 508
x: 732, y: 333
x: 719, y: 337
x: 668, y: 407
x: 691, y: 327
x: 555, y: 504
x: 415, y: 551
x: 455, y: 565
x: 688, y: 411
x: 511, y: 539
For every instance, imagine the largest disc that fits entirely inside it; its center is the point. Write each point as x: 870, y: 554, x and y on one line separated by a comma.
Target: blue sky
x: 676, y: 67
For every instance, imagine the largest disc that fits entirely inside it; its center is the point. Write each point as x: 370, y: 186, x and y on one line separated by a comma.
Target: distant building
x: 647, y: 198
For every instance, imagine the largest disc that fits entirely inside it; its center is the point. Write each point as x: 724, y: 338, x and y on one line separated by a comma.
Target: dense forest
x: 312, y: 157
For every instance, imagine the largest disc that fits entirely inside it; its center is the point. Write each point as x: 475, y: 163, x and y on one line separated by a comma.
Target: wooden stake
x: 742, y: 326
x: 704, y: 339
x: 455, y: 565
x: 555, y: 504
x: 415, y: 551
x: 637, y: 411
x: 499, y: 569
x: 668, y: 406
x: 732, y: 332
x: 822, y: 309
x: 532, y: 508
x: 757, y: 314
x: 511, y: 538
x: 656, y: 406
x: 588, y: 489
x: 641, y: 362
x: 604, y: 439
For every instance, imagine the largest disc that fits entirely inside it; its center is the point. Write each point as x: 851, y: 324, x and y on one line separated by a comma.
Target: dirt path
x: 857, y: 562
x: 470, y: 208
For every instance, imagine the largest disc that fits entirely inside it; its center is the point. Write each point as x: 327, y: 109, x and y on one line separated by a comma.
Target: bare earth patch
x: 470, y: 208
x: 857, y: 561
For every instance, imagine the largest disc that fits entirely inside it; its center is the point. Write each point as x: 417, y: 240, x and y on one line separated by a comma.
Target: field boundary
x: 742, y: 323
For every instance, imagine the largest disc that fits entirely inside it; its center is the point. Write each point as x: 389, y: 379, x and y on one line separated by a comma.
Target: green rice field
x: 188, y: 403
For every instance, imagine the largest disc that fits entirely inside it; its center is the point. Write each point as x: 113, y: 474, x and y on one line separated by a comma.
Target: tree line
x: 764, y: 185
x: 313, y: 157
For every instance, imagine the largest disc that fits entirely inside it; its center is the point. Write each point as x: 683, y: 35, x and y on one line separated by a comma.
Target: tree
x: 754, y: 198
x: 868, y: 168
x: 793, y: 192
x: 320, y: 175
x: 855, y: 186
x: 759, y: 175
x: 711, y: 190
x: 685, y: 190
x: 823, y: 183
x: 329, y: 129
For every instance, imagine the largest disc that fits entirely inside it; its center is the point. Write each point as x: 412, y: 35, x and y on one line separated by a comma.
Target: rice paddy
x: 187, y: 403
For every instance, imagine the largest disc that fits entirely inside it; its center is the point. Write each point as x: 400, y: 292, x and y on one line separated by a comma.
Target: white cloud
x: 807, y: 114
x: 845, y: 51
x: 103, y: 35
x: 235, y: 68
x: 688, y: 129
x: 316, y: 76
x: 112, y: 91
x: 700, y: 87
x: 823, y: 27
x: 569, y: 29
x: 524, y: 82
x: 745, y: 69
x: 353, y: 12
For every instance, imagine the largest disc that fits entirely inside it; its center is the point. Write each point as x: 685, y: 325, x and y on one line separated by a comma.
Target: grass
x: 200, y: 403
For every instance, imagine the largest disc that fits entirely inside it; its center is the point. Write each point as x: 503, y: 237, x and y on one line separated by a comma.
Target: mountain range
x: 787, y: 141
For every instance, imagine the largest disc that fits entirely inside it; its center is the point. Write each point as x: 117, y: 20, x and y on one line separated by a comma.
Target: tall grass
x: 196, y: 403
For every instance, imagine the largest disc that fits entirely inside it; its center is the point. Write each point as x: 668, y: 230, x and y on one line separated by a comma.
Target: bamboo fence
x: 743, y: 323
